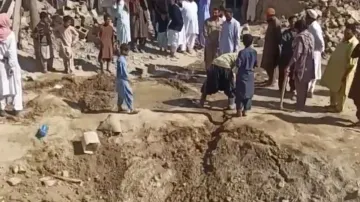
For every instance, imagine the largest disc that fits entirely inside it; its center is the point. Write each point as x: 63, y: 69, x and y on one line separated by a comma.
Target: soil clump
x: 193, y: 164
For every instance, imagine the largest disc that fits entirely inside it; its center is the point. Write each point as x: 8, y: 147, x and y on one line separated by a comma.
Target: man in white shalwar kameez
x: 10, y: 71
x: 229, y: 39
x: 190, y: 29
x: 315, y: 29
x: 251, y: 10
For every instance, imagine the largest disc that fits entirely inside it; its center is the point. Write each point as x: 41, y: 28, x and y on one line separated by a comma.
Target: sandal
x: 134, y: 111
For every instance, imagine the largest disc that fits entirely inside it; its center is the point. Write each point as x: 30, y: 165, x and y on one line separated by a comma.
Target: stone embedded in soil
x: 15, y: 169
x: 14, y: 181
x: 49, y: 182
x: 281, y: 184
x: 65, y: 173
x: 22, y: 169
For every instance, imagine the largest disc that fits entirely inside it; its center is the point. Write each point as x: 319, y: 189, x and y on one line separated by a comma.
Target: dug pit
x: 182, y: 163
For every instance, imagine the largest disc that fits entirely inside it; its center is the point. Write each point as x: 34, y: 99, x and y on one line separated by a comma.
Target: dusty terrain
x: 172, y: 150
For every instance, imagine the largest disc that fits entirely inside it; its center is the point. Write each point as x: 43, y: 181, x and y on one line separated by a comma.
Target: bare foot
x: 238, y: 113
x: 244, y: 113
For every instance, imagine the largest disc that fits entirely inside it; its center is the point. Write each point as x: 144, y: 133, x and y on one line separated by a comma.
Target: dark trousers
x: 282, y: 75
x: 243, y: 104
x: 301, y: 93
x: 140, y: 41
x: 271, y: 74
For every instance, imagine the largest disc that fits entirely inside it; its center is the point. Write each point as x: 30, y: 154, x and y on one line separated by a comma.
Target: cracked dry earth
x: 185, y: 158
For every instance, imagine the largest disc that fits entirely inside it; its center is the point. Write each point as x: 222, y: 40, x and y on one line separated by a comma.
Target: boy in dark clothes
x: 245, y: 64
x: 286, y: 54
x: 162, y: 32
x: 175, y: 27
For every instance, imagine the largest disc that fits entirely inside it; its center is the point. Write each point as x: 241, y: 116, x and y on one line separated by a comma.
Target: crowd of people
x: 297, y: 53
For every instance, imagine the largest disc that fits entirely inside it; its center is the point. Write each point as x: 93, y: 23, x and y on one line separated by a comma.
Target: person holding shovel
x: 303, y: 62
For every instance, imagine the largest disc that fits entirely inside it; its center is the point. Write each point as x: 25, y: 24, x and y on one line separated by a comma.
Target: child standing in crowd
x: 246, y: 62
x: 42, y: 34
x: 107, y: 39
x: 68, y: 36
x: 122, y: 81
x: 163, y: 23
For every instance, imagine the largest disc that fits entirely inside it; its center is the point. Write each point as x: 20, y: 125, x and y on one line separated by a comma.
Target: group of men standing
x: 278, y: 47
x: 297, y: 51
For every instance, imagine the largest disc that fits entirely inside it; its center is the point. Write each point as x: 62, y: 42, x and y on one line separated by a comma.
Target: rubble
x: 335, y: 14
x: 14, y: 181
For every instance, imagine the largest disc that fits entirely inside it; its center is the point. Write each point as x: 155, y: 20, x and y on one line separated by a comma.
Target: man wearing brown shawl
x: 42, y: 34
x: 212, y: 28
x: 303, y: 61
x: 139, y: 19
x: 272, y: 45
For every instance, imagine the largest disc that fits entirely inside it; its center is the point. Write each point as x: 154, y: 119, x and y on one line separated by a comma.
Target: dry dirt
x: 173, y: 151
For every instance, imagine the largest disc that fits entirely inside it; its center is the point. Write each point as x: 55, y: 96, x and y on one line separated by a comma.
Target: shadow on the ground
x: 193, y: 103
x: 154, y: 50
x: 275, y: 105
x: 208, y: 115
x: 177, y: 72
x: 325, y: 120
x: 28, y: 64
x: 86, y: 66
x: 78, y: 149
x: 322, y: 92
x: 267, y: 92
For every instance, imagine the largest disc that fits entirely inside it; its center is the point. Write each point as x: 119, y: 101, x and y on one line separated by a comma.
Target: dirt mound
x: 247, y: 165
x: 191, y: 164
x: 50, y: 105
x: 175, y: 83
x: 93, y: 94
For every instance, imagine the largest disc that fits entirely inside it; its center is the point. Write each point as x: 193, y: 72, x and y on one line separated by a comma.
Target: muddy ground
x: 174, y: 151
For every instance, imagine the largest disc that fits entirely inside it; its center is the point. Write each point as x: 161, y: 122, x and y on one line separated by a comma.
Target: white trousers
x: 312, y: 85
x: 251, y: 10
x: 16, y: 101
x: 189, y: 42
x: 318, y: 71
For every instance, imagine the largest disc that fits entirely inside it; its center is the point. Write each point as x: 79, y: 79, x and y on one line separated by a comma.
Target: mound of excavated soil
x: 93, y: 94
x: 186, y: 164
x: 50, y: 105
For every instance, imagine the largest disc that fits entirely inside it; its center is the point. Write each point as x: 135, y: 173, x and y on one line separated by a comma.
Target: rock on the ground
x: 14, y: 181
x: 48, y: 181
x: 65, y: 173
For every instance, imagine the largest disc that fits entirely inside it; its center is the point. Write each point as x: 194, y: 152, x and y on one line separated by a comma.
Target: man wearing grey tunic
x: 230, y: 34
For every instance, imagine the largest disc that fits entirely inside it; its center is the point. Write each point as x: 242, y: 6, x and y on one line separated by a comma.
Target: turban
x: 312, y: 13
x: 270, y: 12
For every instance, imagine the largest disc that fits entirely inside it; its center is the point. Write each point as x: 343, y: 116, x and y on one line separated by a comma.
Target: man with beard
x: 212, y: 27
x: 230, y: 34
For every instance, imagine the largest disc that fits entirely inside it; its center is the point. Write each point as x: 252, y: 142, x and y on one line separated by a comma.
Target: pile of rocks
x: 335, y: 14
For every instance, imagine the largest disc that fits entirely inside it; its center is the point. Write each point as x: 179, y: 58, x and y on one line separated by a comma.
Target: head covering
x: 4, y: 26
x: 270, y: 12
x: 312, y: 13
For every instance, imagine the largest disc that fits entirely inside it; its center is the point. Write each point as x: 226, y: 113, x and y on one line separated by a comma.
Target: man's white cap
x: 312, y: 13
